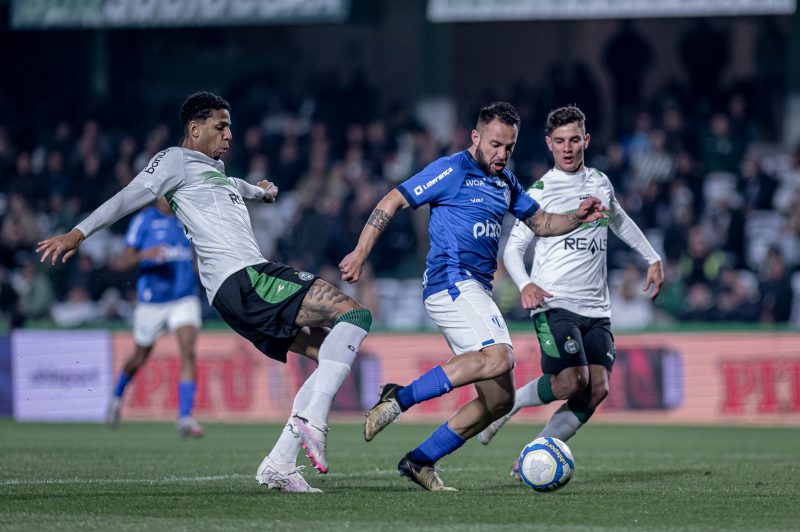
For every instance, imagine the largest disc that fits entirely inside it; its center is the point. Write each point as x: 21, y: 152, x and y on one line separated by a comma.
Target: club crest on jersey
x: 305, y: 276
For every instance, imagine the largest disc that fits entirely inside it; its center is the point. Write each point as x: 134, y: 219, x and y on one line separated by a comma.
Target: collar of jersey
x: 496, y: 181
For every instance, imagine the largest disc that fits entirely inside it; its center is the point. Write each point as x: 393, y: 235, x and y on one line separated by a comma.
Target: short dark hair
x: 563, y: 116
x: 503, y: 111
x: 199, y: 106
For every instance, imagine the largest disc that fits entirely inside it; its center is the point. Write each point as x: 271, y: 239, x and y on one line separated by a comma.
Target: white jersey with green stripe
x: 572, y: 267
x: 208, y: 203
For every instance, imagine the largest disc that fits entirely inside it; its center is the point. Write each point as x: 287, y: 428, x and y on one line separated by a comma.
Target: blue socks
x: 186, y: 391
x: 122, y: 382
x: 432, y: 384
x: 442, y: 442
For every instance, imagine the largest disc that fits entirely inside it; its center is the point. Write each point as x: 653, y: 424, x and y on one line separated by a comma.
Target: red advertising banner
x: 722, y: 378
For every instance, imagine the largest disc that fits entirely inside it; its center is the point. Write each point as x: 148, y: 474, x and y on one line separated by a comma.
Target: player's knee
x: 498, y: 360
x: 358, y: 316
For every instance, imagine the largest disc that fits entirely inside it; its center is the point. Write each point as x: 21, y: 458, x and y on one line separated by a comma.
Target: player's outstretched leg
x: 283, y: 477
x: 324, y: 306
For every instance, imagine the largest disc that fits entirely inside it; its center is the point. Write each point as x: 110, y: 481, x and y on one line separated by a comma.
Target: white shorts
x: 472, y: 321
x: 150, y: 319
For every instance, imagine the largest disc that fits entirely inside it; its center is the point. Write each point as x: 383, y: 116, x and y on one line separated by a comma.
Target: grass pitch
x: 142, y: 477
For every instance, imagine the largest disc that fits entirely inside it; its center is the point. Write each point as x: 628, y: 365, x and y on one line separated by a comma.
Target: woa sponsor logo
x: 489, y: 229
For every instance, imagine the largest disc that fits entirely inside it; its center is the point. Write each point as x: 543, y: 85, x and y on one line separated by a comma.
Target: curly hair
x: 503, y: 111
x: 563, y: 116
x: 199, y: 106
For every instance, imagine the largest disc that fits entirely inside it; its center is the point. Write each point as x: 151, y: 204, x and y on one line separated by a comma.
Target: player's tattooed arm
x: 379, y: 219
x: 549, y: 224
x: 351, y: 265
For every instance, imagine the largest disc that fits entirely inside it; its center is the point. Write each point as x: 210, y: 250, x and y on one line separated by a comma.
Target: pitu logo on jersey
x: 490, y: 229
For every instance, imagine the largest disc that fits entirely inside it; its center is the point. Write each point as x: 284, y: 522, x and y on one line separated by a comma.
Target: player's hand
x: 533, y: 296
x: 53, y: 247
x: 655, y: 278
x: 351, y: 266
x: 270, y: 190
x: 589, y: 210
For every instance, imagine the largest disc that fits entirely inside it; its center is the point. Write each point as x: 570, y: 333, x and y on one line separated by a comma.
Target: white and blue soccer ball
x: 546, y: 464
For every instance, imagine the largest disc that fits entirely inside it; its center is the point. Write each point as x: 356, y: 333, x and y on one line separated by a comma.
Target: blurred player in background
x: 273, y: 305
x: 167, y: 297
x: 469, y: 194
x: 567, y: 289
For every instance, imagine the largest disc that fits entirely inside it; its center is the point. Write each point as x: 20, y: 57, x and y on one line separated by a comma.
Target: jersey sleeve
x: 520, y: 238
x: 248, y: 191
x: 438, y: 181
x: 162, y: 174
x: 134, y: 237
x: 522, y: 205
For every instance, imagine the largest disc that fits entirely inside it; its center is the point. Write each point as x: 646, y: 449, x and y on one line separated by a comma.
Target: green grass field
x: 142, y: 477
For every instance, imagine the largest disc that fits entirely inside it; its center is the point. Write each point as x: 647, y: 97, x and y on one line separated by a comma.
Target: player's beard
x: 483, y: 164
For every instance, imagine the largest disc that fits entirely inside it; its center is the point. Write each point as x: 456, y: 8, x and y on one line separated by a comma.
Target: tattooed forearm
x: 540, y: 223
x: 379, y: 219
x: 549, y: 224
x: 572, y: 218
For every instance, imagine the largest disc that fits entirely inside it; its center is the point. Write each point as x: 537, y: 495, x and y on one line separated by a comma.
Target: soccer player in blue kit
x: 167, y: 295
x: 469, y: 193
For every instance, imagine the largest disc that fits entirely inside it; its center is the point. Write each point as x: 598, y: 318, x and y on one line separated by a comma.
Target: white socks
x: 336, y: 355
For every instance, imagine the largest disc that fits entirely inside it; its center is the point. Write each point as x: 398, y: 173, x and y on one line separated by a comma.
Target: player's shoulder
x: 538, y: 186
x: 597, y: 175
x: 165, y: 158
x: 454, y: 163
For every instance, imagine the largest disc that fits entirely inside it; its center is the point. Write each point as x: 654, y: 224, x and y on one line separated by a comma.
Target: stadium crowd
x: 701, y: 172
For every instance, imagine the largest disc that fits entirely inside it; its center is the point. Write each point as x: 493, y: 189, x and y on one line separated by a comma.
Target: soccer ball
x: 546, y: 464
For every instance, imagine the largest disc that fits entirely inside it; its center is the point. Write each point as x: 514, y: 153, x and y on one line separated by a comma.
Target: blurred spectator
x: 19, y: 230
x: 630, y: 306
x: 9, y: 309
x: 776, y: 289
x: 34, y: 290
x: 700, y: 263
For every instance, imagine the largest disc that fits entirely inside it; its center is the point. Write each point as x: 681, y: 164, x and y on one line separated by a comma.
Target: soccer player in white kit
x: 567, y: 289
x: 273, y: 305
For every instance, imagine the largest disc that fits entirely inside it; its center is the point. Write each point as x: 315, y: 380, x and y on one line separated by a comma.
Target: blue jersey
x: 467, y: 210
x: 173, y: 277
